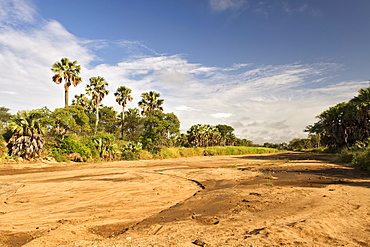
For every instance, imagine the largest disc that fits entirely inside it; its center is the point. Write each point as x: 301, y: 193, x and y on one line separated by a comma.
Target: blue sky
x: 267, y: 68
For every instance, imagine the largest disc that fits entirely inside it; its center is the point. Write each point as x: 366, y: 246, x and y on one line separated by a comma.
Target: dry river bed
x: 283, y: 199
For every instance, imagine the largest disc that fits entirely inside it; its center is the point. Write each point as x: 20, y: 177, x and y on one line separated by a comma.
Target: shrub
x: 106, y: 148
x: 357, y: 156
x: 3, y: 148
x: 70, y: 145
x: 131, y: 150
x: 145, y: 155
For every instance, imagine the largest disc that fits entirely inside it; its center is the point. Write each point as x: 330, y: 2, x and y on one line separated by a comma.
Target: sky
x: 265, y: 67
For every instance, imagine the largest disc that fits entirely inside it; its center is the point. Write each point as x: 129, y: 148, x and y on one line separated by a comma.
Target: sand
x: 283, y: 199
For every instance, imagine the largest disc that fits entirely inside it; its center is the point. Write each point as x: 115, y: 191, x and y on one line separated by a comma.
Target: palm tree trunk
x: 97, y: 119
x: 66, y: 95
x: 122, y: 118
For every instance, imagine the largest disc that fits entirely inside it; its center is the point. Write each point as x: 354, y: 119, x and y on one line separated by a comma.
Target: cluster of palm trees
x: 203, y: 135
x: 88, y: 118
x: 69, y: 72
x: 345, y: 123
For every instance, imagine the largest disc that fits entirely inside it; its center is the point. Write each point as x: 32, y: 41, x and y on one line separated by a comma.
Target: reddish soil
x: 284, y: 199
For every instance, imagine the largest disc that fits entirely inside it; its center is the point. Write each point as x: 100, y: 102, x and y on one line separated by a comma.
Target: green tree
x: 227, y: 136
x: 345, y: 123
x: 244, y: 142
x: 150, y: 101
x: 71, y: 119
x: 98, y: 90
x: 133, y: 126
x: 108, y: 120
x: 67, y: 71
x: 123, y: 94
x: 203, y: 135
x: 81, y: 100
x: 5, y: 117
x: 159, y: 128
x: 26, y: 140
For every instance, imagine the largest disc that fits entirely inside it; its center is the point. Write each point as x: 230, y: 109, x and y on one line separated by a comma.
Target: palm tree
x: 81, y: 100
x: 151, y: 101
x: 67, y: 71
x: 27, y: 130
x: 97, y: 89
x: 122, y: 96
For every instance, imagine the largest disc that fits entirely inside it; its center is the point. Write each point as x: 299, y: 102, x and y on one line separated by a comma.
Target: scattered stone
x: 254, y: 194
x: 200, y: 243
x: 254, y: 232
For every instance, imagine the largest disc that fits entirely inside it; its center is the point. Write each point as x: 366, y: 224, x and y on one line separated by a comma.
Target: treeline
x: 345, y: 127
x: 87, y: 129
x: 71, y: 133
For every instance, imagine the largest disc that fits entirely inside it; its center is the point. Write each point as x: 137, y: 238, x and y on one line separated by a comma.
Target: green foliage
x: 358, y: 155
x: 203, y: 135
x: 81, y: 100
x: 227, y: 136
x: 123, y: 94
x: 158, y: 128
x: 243, y: 142
x: 104, y: 143
x: 5, y: 117
x: 131, y: 150
x: 67, y: 71
x: 27, y: 134
x: 72, y: 144
x: 98, y: 90
x: 234, y: 150
x: 3, y: 148
x: 108, y: 121
x: 133, y: 125
x: 150, y: 101
x: 145, y: 155
x: 71, y: 119
x: 172, y: 152
x: 345, y: 123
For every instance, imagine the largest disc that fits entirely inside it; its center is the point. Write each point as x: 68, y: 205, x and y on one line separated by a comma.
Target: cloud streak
x: 222, y: 5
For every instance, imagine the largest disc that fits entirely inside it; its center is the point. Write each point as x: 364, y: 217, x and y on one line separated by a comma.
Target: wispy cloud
x: 222, y: 5
x: 15, y: 12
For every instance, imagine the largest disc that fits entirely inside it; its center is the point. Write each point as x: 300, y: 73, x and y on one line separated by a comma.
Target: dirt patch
x: 284, y: 199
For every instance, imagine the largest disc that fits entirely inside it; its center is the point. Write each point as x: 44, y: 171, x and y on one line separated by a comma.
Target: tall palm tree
x: 97, y: 89
x: 67, y: 71
x: 151, y: 101
x: 123, y: 94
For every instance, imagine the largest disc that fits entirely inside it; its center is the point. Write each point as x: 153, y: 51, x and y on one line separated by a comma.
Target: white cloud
x: 221, y: 115
x: 221, y: 5
x: 185, y: 108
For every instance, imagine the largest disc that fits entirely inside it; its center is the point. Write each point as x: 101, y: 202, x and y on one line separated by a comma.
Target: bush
x: 357, y: 155
x: 131, y: 150
x: 106, y: 148
x: 70, y: 145
x: 3, y: 148
x: 145, y: 155
x: 361, y: 160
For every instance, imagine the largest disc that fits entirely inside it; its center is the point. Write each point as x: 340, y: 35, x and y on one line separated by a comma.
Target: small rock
x: 200, y: 243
